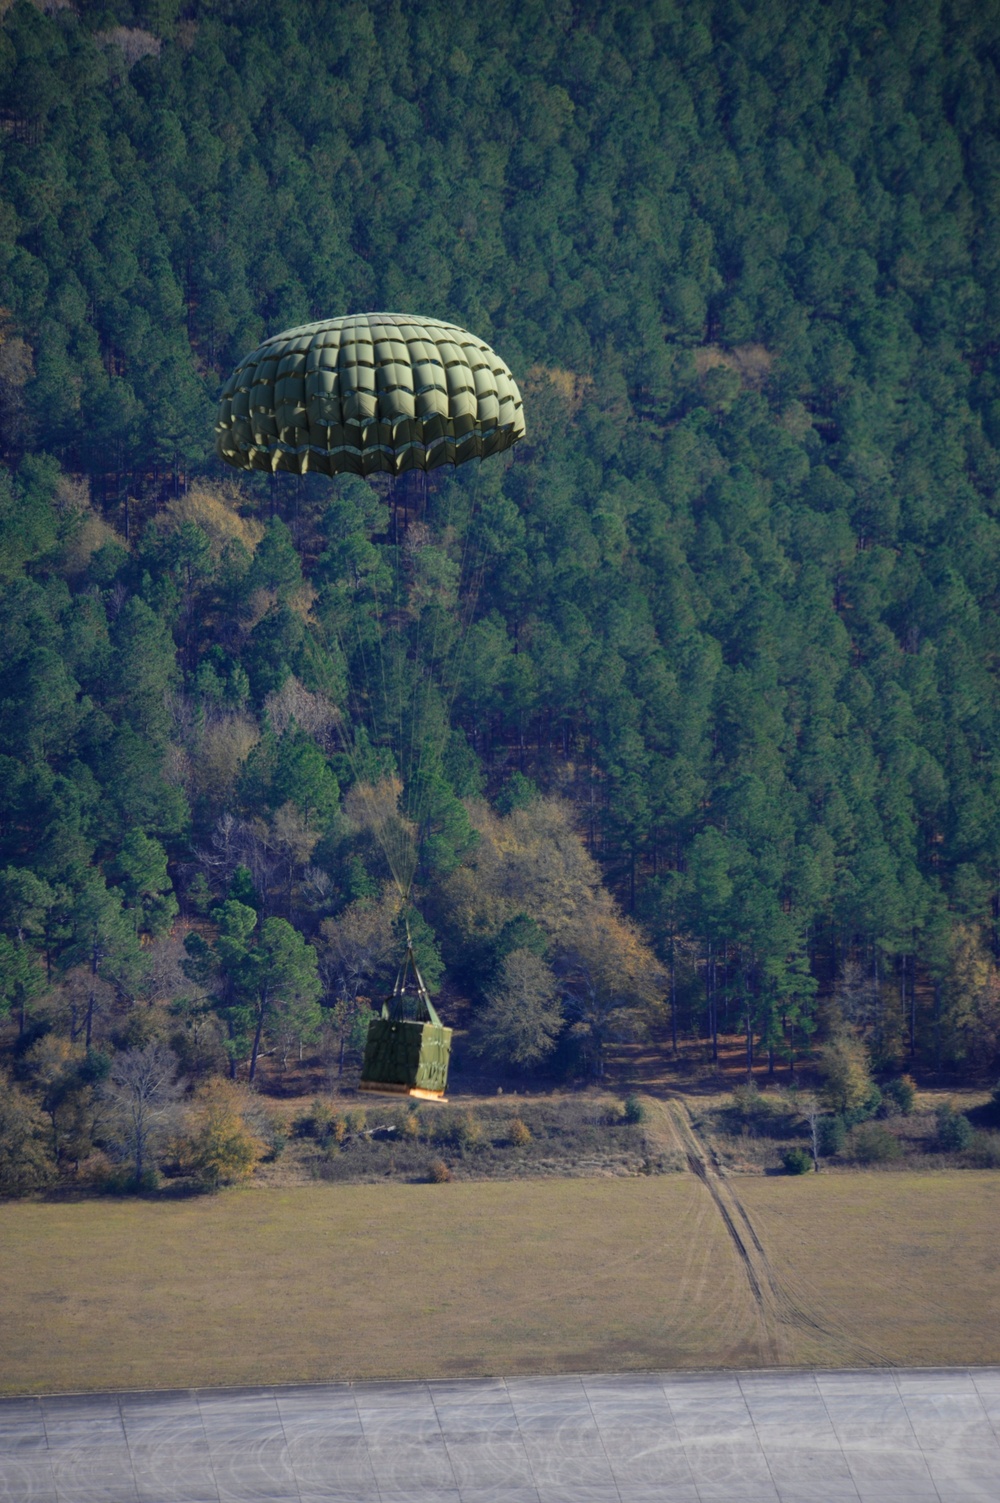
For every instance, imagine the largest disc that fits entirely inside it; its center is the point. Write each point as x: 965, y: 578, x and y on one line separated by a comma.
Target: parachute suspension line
x: 465, y: 616
x: 470, y: 614
x: 379, y: 706
x: 378, y: 813
x: 412, y: 783
x: 358, y: 720
x: 371, y: 718
x: 414, y: 692
x: 402, y: 666
x: 472, y: 569
x: 470, y: 580
x: 402, y: 863
x: 399, y: 872
x: 387, y: 819
x: 397, y: 668
x: 378, y: 638
x: 396, y: 1005
x: 423, y: 681
x: 376, y: 712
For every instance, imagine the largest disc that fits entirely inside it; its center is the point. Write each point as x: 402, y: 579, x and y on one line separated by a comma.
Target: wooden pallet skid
x: 377, y: 1088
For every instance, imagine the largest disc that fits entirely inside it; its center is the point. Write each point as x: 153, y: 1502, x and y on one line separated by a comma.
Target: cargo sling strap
x: 400, y: 1005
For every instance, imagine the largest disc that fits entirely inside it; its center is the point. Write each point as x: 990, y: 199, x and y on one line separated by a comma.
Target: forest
x: 699, y: 729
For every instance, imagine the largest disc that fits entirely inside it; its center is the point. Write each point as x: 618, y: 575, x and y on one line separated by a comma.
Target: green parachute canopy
x: 369, y: 392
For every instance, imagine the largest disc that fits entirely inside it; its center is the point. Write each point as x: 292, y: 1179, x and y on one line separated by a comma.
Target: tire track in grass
x: 689, y: 1294
x: 748, y: 1249
x: 780, y: 1314
x: 676, y: 1126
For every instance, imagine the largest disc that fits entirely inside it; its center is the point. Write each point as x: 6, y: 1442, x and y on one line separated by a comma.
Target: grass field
x: 356, y: 1281
x: 903, y: 1266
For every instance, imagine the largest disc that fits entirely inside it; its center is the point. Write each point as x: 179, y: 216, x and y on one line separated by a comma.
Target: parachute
x: 379, y: 395
x: 372, y: 392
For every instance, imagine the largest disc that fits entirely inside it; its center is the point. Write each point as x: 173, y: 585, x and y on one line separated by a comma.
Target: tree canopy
x: 732, y: 603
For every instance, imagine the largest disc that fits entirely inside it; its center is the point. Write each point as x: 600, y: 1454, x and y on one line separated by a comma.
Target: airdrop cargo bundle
x: 407, y: 1049
x: 375, y: 394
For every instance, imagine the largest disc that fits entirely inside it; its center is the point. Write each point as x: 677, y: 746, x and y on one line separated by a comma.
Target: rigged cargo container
x: 407, y: 1049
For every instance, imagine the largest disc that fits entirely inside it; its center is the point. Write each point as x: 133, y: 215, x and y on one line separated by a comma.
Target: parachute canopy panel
x: 366, y: 393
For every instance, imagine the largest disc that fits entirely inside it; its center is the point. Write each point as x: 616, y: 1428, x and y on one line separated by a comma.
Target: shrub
x: 412, y: 1126
x: 831, y: 1135
x: 25, y: 1161
x: 954, y: 1132
x: 316, y: 1123
x: 470, y: 1131
x: 898, y: 1096
x: 749, y: 1105
x: 123, y: 1181
x: 438, y: 1172
x: 993, y: 1105
x: 797, y: 1160
x: 223, y: 1150
x: 866, y: 1107
x: 984, y: 1150
x: 520, y: 1133
x: 356, y: 1120
x: 224, y: 1138
x: 635, y: 1109
x: 845, y: 1066
x: 871, y: 1143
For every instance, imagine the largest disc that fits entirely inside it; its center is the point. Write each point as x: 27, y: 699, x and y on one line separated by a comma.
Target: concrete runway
x: 885, y: 1436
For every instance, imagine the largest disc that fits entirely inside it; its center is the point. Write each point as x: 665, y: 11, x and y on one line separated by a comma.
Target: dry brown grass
x: 906, y: 1264
x: 362, y: 1281
x: 358, y: 1281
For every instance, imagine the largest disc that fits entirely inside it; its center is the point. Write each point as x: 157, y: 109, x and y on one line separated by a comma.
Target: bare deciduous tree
x: 140, y: 1092
x: 811, y: 1108
x: 311, y: 712
x: 226, y: 741
x: 240, y: 842
x: 358, y: 945
x: 293, y: 843
x: 523, y: 1016
x: 856, y: 996
x: 358, y: 950
x: 222, y: 855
